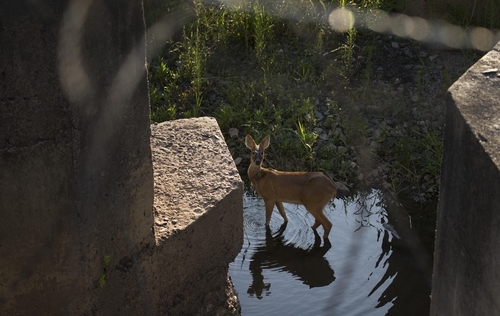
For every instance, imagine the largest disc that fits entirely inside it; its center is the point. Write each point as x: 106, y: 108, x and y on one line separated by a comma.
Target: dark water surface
x: 379, y: 261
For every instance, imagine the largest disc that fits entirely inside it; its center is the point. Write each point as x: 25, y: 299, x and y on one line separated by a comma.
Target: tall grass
x: 268, y: 67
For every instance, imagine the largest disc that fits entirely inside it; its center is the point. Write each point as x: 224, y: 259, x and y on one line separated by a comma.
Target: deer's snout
x: 257, y: 159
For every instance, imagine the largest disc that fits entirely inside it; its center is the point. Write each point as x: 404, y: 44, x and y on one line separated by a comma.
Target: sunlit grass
x: 267, y: 67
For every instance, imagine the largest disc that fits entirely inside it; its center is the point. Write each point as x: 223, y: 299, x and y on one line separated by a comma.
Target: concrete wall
x: 77, y: 228
x: 198, y: 209
x: 467, y: 252
x: 75, y: 177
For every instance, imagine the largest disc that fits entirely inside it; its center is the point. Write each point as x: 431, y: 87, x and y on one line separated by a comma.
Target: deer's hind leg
x: 321, y: 219
x: 327, y: 225
x: 281, y: 209
x: 316, y: 224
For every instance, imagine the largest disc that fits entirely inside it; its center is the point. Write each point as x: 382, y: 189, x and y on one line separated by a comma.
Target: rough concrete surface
x: 78, y: 234
x: 76, y: 182
x: 467, y: 252
x: 198, y: 208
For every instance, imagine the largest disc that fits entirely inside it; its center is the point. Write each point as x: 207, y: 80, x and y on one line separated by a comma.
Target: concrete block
x: 198, y: 208
x: 467, y: 252
x: 76, y: 184
x: 78, y: 232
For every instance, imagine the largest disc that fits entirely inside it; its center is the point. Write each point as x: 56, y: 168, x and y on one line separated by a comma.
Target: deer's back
x: 295, y: 187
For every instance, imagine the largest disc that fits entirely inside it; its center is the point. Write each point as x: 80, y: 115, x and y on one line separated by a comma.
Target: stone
x: 375, y: 145
x: 342, y: 189
x: 233, y: 132
x: 372, y: 109
x: 433, y: 57
x: 198, y: 205
x: 376, y: 135
x: 380, y: 169
x: 318, y: 130
x: 319, y: 116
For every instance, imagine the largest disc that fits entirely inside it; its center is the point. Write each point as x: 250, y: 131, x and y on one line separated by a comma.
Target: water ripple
x: 298, y: 229
x: 282, y: 269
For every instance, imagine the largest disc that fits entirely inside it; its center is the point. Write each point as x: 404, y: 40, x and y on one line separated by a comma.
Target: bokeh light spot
x: 341, y: 20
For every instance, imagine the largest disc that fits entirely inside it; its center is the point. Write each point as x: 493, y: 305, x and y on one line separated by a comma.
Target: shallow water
x: 379, y: 261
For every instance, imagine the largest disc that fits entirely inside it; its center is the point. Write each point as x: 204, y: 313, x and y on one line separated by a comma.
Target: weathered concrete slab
x: 78, y: 234
x: 76, y: 183
x: 467, y: 252
x: 198, y: 208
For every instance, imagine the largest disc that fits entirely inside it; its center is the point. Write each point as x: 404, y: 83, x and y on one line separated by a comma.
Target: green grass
x: 268, y: 67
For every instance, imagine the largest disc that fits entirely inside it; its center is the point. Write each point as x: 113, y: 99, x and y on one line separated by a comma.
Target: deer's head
x: 257, y: 151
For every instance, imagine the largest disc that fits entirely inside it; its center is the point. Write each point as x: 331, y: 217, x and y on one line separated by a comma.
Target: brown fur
x: 312, y: 189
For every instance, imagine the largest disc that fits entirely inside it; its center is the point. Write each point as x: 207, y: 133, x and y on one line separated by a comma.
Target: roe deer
x: 311, y: 189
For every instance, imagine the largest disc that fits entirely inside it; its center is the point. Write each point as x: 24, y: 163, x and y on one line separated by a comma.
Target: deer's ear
x: 265, y: 142
x: 249, y: 142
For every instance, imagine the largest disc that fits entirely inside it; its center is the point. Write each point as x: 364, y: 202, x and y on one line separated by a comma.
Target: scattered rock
x: 238, y: 160
x: 342, y: 189
x: 375, y: 145
x: 395, y: 45
x: 380, y: 170
x: 372, y: 109
x: 319, y: 116
x: 376, y: 135
x: 233, y: 132
x: 323, y: 136
x: 318, y: 130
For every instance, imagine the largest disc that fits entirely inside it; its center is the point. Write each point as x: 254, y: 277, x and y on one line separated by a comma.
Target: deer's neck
x: 254, y: 172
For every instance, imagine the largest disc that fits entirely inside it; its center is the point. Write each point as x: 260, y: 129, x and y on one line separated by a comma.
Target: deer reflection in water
x: 308, y: 265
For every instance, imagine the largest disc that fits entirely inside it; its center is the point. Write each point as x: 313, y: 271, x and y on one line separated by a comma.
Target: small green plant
x: 102, y: 280
x: 105, y: 262
x: 262, y: 29
x: 348, y: 51
x: 307, y: 139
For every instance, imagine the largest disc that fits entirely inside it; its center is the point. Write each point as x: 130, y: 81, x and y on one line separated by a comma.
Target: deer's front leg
x: 269, y: 211
x: 280, y: 207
